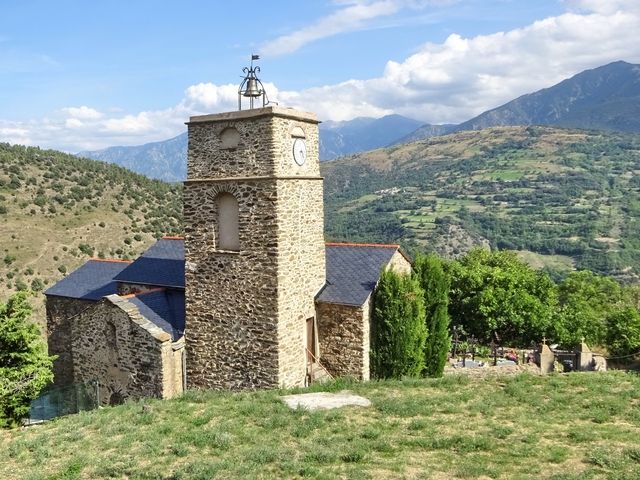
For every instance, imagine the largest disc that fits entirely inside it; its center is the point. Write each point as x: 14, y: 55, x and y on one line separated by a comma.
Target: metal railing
x: 57, y: 402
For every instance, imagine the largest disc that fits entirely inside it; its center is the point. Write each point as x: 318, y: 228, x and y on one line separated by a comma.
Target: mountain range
x: 604, y: 98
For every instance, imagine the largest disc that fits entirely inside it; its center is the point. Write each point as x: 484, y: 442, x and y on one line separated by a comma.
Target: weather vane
x: 251, y: 86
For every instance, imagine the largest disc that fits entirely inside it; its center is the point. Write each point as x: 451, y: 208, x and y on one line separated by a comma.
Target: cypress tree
x: 435, y: 282
x: 398, y: 331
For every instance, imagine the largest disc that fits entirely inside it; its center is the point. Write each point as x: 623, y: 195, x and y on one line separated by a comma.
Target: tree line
x: 493, y: 295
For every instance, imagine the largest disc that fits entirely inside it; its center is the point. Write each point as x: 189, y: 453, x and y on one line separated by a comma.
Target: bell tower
x: 254, y: 246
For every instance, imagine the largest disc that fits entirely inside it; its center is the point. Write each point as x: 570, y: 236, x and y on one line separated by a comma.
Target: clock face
x: 299, y: 151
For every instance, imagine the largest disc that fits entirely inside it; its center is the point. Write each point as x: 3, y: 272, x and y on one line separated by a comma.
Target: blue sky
x: 85, y: 75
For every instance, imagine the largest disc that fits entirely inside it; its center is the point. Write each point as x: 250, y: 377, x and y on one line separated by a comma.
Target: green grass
x: 525, y: 427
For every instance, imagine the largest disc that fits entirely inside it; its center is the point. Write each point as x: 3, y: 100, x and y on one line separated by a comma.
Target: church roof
x: 92, y: 281
x: 353, y: 271
x: 164, y: 308
x: 161, y: 265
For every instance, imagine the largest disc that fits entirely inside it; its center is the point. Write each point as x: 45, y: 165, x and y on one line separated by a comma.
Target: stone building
x: 252, y: 297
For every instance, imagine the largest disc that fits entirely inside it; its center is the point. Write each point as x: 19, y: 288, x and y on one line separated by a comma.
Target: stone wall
x: 231, y: 297
x: 399, y: 263
x: 61, y: 316
x: 343, y: 332
x: 301, y: 271
x: 246, y: 310
x: 128, y: 355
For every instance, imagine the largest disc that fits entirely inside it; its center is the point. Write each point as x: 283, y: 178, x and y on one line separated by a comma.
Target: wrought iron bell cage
x: 251, y: 86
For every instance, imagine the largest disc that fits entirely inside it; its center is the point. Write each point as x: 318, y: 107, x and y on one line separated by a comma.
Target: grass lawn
x: 574, y: 426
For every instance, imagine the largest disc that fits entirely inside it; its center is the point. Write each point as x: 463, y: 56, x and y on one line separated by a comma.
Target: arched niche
x: 229, y: 138
x: 228, y: 231
x: 297, y: 132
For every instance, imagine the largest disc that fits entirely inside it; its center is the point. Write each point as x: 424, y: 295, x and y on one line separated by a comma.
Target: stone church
x: 251, y: 297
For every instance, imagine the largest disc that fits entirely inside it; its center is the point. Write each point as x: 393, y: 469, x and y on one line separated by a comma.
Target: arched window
x: 228, y: 238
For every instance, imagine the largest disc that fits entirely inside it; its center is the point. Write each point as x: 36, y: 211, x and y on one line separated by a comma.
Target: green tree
x: 436, y: 283
x: 25, y: 367
x: 398, y: 331
x: 586, y: 299
x: 623, y: 331
x: 495, y: 292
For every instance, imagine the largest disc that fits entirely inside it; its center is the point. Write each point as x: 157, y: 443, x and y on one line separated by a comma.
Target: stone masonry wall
x: 61, y: 313
x: 127, y: 354
x: 301, y: 271
x: 344, y: 340
x: 246, y: 310
x: 399, y: 263
x: 231, y: 298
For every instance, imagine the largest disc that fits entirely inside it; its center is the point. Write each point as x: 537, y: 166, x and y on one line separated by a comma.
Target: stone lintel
x: 350, y: 305
x: 249, y: 179
x: 272, y: 110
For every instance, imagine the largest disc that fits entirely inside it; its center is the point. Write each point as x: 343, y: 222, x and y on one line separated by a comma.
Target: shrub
x: 398, y: 330
x: 623, y: 332
x: 37, y: 285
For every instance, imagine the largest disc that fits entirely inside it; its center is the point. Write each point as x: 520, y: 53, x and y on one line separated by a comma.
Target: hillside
x: 57, y: 210
x: 574, y: 426
x: 565, y: 198
x: 603, y: 98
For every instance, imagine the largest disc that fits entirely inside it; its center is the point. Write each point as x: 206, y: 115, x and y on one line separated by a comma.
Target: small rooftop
x: 353, y: 270
x: 92, y: 281
x: 162, y: 265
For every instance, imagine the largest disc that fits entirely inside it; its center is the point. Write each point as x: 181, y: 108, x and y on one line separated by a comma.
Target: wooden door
x: 311, y: 340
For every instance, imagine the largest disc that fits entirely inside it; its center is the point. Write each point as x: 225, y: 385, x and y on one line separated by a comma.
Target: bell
x: 252, y: 89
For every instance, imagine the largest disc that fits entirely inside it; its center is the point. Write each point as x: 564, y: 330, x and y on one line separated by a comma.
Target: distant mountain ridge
x: 164, y: 160
x: 361, y: 134
x: 604, y: 98
x: 167, y: 160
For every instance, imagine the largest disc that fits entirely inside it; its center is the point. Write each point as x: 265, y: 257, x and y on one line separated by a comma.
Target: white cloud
x: 442, y: 82
x: 82, y: 113
x: 462, y: 77
x: 606, y: 7
x: 354, y: 15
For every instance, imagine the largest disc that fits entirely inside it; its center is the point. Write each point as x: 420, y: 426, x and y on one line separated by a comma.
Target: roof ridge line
x: 110, y: 260
x: 347, y: 244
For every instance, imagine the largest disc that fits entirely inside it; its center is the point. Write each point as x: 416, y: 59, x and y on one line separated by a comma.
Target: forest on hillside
x: 571, y: 198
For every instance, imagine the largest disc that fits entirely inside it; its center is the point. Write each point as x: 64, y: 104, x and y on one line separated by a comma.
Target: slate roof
x: 161, y: 265
x: 164, y: 308
x: 92, y: 281
x: 353, y: 271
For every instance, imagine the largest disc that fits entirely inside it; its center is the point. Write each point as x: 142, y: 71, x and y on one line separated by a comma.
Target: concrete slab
x: 325, y: 400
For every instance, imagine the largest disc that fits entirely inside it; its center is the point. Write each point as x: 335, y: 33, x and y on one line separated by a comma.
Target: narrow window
x: 228, y: 238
